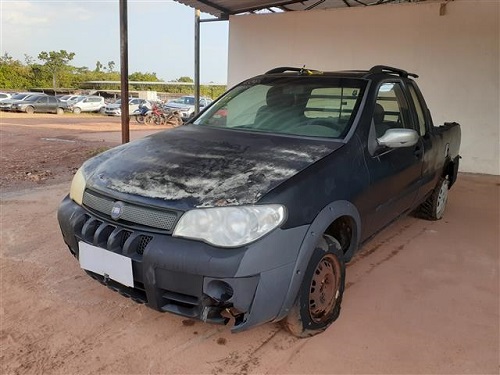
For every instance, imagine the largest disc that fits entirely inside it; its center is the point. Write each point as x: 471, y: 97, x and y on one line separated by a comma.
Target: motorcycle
x: 141, y: 113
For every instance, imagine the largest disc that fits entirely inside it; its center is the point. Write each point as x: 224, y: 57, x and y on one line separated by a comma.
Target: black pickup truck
x: 249, y: 213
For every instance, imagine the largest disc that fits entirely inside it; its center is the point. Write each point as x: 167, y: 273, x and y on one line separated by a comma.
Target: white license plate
x: 105, y: 263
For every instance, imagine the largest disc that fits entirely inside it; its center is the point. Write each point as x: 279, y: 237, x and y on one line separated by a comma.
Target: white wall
x: 456, y: 56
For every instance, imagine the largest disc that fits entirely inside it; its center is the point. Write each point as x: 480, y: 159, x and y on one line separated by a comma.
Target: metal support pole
x: 196, y: 61
x: 124, y: 71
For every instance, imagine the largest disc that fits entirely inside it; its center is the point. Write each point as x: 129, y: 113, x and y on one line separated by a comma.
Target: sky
x: 160, y: 33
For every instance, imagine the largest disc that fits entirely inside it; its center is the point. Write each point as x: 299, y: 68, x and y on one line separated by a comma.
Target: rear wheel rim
x: 324, y: 289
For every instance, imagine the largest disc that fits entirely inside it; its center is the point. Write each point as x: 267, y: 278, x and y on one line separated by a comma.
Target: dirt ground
x: 42, y: 149
x: 421, y: 298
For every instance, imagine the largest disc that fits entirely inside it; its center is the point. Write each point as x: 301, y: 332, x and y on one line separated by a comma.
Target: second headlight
x: 230, y: 226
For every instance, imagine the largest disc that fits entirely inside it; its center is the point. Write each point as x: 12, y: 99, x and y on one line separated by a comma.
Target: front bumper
x: 190, y: 278
x: 185, y: 114
x: 113, y: 112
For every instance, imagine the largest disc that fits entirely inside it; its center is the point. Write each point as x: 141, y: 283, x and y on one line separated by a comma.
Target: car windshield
x: 32, y: 98
x: 19, y: 96
x: 307, y: 106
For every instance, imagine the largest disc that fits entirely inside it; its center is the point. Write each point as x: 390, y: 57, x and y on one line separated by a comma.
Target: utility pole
x: 124, y: 71
x: 196, y: 61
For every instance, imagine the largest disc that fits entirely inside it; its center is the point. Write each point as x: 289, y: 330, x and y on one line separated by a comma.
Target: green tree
x: 28, y: 60
x: 98, y: 66
x: 143, y: 77
x: 17, y: 75
x: 13, y: 74
x: 185, y: 79
x: 56, y: 62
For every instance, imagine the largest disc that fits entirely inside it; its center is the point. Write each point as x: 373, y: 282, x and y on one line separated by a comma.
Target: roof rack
x: 377, y: 69
x: 301, y: 71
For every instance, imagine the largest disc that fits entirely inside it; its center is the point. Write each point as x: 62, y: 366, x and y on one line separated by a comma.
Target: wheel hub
x: 323, y: 290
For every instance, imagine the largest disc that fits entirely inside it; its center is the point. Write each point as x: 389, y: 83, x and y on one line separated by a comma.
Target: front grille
x: 179, y: 303
x: 137, y: 294
x: 143, y: 243
x: 151, y: 217
x: 113, y: 238
x: 125, y: 236
x: 119, y: 240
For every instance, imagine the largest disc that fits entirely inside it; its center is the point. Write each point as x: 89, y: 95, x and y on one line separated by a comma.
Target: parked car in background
x: 66, y: 98
x: 89, y: 104
x: 4, y: 95
x: 115, y: 108
x: 39, y: 103
x: 185, y: 105
x: 75, y: 100
x: 5, y: 104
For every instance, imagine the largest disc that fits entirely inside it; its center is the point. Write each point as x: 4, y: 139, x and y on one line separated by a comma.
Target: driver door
x: 395, y: 173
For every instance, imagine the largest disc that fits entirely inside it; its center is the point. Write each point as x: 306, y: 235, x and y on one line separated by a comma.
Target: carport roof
x: 224, y: 8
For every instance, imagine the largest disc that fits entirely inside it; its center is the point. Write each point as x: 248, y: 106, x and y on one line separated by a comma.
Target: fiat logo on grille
x: 117, y: 210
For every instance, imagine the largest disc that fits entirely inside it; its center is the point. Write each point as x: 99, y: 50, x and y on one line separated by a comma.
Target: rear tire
x: 59, y: 111
x: 433, y: 208
x: 320, y: 295
x: 139, y: 119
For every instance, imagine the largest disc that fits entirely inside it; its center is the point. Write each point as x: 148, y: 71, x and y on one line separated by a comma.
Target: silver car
x: 6, y: 104
x: 185, y: 105
x: 115, y: 108
x: 89, y: 104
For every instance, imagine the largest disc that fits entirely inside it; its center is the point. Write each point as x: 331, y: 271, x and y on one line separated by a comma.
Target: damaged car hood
x: 204, y: 166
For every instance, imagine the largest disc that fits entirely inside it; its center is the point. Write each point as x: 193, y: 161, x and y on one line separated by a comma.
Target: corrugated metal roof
x: 224, y: 8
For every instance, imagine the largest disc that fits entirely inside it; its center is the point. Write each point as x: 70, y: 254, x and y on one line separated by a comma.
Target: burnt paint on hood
x: 204, y: 166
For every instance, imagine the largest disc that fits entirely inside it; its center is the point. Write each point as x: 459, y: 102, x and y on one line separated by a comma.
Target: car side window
x: 418, y: 109
x: 42, y: 100
x: 391, y: 109
x: 52, y: 100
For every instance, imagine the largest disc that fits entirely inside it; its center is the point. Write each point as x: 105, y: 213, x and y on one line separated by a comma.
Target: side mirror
x: 397, y: 138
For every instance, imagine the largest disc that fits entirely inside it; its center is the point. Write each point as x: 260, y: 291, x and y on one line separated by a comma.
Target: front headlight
x: 230, y: 226
x: 77, y: 187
